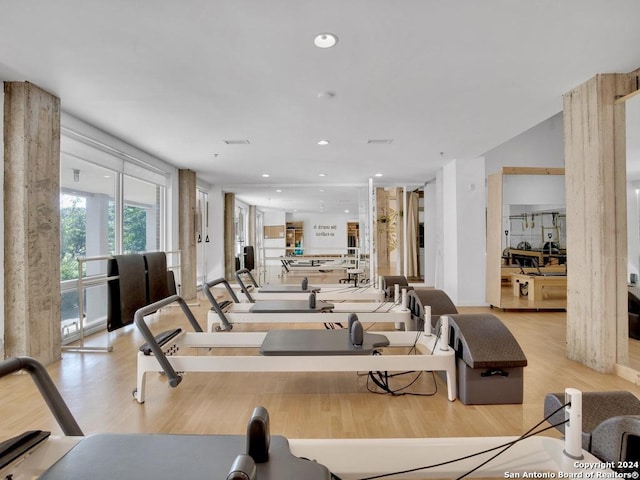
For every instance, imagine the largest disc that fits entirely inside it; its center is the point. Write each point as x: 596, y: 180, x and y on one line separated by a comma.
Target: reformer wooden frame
x: 433, y: 355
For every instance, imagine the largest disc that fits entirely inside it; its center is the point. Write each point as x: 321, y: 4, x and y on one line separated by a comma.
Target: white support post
x: 573, y: 428
x: 427, y: 320
x: 444, y: 333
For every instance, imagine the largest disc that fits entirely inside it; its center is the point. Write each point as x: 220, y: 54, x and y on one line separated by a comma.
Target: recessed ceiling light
x: 322, y: 190
x: 322, y: 174
x: 279, y: 191
x: 323, y: 142
x: 378, y: 175
x: 265, y: 175
x: 236, y: 142
x: 325, y: 40
x: 346, y: 211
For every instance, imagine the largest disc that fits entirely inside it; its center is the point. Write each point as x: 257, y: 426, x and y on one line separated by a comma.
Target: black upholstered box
x: 490, y: 361
x: 478, y: 386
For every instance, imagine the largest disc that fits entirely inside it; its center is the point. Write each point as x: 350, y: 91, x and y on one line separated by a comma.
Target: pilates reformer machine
x: 260, y: 456
x: 37, y: 454
x: 290, y: 350
x: 316, y: 263
x: 328, y: 292
x: 306, y: 308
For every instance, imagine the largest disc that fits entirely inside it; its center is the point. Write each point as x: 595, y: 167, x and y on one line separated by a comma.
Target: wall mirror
x: 527, y: 235
x: 632, y: 108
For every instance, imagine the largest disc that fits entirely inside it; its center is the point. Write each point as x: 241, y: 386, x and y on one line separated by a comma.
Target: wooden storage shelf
x: 294, y: 238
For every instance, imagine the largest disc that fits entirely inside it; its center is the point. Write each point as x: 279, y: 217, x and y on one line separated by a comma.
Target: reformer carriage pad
x: 162, y: 457
x: 292, y: 342
x: 287, y: 289
x: 289, y: 306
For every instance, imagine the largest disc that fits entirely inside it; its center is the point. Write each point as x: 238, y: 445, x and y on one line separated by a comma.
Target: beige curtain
x: 413, y: 265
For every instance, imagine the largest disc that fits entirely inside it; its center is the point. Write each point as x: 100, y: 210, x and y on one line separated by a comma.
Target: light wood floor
x: 97, y: 387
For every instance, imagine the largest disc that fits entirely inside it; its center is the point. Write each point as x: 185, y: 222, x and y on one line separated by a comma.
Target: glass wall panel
x: 141, y: 216
x: 96, y: 217
x: 86, y: 230
x: 202, y: 235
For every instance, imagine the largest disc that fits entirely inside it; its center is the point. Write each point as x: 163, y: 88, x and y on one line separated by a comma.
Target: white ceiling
x: 176, y: 79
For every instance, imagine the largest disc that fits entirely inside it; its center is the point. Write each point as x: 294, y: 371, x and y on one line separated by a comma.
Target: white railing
x: 83, y: 282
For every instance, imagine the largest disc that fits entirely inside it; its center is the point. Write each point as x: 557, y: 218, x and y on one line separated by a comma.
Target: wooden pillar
x: 187, y: 213
x: 493, y: 273
x: 596, y: 219
x: 32, y: 222
x: 229, y: 236
x: 381, y: 228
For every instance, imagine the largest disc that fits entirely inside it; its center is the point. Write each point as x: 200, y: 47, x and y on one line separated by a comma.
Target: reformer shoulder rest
x: 161, y: 338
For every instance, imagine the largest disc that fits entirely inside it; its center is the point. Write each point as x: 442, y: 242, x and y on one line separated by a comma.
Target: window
x: 103, y: 212
x: 141, y: 216
x: 202, y: 235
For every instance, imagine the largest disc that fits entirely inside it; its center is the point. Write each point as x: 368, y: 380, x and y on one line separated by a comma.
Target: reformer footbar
x: 224, y: 314
x: 357, y: 358
x: 255, y: 456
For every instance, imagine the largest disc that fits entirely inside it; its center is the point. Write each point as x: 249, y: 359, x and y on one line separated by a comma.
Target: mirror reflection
x: 533, y: 263
x: 633, y: 227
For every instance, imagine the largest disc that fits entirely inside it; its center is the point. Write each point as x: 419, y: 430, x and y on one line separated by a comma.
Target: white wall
x: 449, y: 231
x: 540, y: 146
x: 472, y: 235
x: 324, y: 233
x: 215, y: 247
x: 533, y: 190
x: 463, y: 243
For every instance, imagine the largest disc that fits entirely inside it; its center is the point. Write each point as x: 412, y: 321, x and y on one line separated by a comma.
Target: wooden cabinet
x: 294, y: 238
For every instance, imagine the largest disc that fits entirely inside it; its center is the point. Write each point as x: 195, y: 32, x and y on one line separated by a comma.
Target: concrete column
x: 595, y: 157
x: 32, y: 236
x: 229, y: 236
x: 187, y: 233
